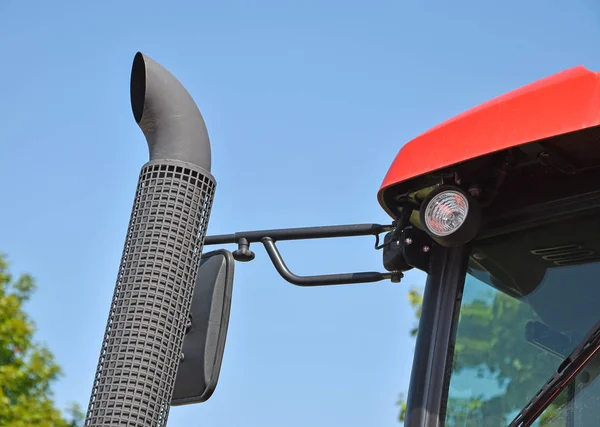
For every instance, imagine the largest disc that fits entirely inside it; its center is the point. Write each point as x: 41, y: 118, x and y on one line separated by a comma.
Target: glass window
x: 529, y: 298
x: 577, y: 405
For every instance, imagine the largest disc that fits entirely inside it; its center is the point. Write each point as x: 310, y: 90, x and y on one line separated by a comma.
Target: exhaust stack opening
x: 168, y: 116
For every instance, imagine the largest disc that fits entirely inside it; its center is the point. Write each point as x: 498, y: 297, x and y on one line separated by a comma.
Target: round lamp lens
x: 446, y: 212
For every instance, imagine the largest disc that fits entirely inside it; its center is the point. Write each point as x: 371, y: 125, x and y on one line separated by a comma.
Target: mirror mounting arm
x: 324, y: 279
x: 269, y: 237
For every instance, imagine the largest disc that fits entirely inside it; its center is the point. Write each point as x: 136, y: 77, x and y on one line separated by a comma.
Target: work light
x: 450, y: 216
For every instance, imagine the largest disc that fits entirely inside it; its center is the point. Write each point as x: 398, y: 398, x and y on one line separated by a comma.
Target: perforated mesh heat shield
x: 142, y: 345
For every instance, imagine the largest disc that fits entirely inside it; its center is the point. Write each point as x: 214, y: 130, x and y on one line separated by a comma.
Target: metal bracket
x: 407, y: 248
x: 269, y: 237
x: 417, y: 248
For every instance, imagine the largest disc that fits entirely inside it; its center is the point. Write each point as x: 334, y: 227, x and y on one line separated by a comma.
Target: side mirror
x: 204, y: 342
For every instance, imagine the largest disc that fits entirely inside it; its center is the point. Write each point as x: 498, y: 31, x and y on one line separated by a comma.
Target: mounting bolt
x: 181, y: 357
x: 408, y: 241
x: 426, y: 249
x: 243, y: 252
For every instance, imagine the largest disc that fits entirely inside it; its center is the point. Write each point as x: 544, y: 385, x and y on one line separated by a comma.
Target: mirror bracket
x: 324, y: 279
x: 269, y: 237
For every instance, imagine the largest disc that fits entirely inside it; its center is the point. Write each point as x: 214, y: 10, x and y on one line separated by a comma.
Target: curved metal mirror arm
x: 324, y: 279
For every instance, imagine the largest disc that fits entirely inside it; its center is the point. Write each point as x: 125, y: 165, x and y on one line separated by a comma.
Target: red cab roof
x: 565, y: 102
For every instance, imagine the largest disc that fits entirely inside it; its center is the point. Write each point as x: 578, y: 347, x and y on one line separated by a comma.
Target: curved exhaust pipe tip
x: 167, y: 114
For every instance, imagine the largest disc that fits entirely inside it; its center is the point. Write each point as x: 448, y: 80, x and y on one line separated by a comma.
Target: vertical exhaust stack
x: 146, y: 325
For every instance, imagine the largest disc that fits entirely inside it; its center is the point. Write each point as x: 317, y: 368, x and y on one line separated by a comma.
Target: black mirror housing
x: 204, y: 342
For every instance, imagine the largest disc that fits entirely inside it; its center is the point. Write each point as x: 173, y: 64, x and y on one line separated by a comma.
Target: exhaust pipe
x: 142, y: 345
x: 167, y: 114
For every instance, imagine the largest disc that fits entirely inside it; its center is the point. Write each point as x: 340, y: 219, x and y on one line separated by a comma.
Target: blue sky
x: 306, y: 103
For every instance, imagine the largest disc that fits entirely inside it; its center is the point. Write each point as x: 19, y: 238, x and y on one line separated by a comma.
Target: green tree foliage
x: 487, y: 335
x: 27, y: 369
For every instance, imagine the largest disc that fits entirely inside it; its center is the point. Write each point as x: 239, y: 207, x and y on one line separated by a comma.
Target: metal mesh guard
x: 142, y: 345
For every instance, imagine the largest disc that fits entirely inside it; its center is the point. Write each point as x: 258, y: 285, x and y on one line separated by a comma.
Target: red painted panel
x: 562, y: 103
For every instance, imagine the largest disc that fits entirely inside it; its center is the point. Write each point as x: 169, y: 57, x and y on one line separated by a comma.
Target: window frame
x: 434, y: 349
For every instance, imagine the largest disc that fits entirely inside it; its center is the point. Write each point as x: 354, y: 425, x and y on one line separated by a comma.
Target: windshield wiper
x: 568, y: 369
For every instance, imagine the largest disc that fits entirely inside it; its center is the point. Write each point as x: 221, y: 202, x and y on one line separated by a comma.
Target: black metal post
x: 426, y: 403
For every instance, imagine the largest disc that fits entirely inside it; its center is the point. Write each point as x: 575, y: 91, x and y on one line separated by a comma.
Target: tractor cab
x: 503, y: 203
x: 500, y: 206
